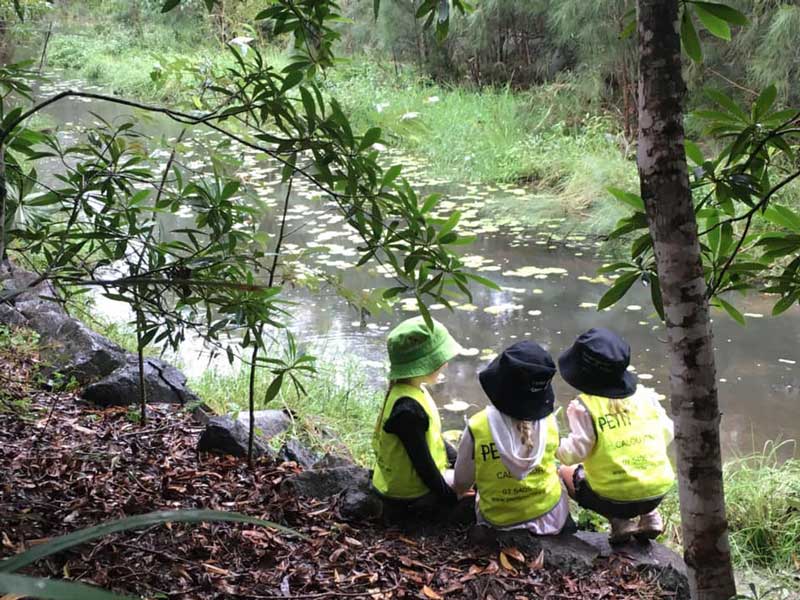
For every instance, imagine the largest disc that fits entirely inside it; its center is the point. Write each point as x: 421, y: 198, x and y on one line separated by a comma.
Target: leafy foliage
x: 99, y: 225
x: 749, y: 237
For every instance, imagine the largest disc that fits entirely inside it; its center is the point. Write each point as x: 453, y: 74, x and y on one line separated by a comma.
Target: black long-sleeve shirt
x: 409, y: 422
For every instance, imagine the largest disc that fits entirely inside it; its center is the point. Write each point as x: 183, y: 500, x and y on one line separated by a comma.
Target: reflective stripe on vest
x: 503, y: 499
x: 394, y: 475
x: 629, y: 461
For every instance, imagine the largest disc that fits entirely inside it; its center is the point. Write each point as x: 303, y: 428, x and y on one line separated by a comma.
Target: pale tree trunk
x: 673, y: 227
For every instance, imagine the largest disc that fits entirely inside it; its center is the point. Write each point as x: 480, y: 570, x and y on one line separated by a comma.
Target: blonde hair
x: 525, y: 429
x: 618, y: 405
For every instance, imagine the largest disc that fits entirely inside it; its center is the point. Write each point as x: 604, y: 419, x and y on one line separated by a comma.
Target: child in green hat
x: 410, y: 455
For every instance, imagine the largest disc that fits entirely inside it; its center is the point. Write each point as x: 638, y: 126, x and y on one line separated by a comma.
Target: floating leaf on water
x: 513, y: 290
x: 532, y: 271
x: 467, y: 307
x: 490, y: 268
x: 502, y: 307
x: 456, y: 406
x: 436, y: 307
x: 600, y: 279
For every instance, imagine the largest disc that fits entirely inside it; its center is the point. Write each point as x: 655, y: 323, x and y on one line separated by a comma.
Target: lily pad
x: 456, y: 406
x: 502, y: 308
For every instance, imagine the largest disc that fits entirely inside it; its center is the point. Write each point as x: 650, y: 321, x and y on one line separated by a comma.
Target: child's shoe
x: 621, y: 530
x: 651, y: 525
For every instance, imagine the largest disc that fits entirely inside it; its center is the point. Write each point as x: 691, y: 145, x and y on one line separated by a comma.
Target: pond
x: 549, y: 290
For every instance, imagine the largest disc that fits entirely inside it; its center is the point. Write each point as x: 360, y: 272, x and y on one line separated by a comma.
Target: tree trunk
x: 673, y: 227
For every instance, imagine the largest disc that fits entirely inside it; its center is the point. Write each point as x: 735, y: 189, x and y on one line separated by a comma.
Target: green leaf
x: 728, y: 104
x: 693, y: 152
x: 430, y: 202
x: 783, y: 216
x: 632, y: 200
x: 19, y: 586
x: 376, y: 8
x: 618, y: 290
x: 370, y: 137
x: 424, y: 312
x: 273, y: 389
x: 691, y: 43
x: 724, y: 12
x: 391, y: 174
x: 655, y: 295
x: 784, y: 304
x: 765, y: 101
x: 82, y: 536
x: 716, y: 26
x: 169, y: 5
x: 731, y: 310
x: 628, y: 30
x: 449, y: 225
x: 483, y: 281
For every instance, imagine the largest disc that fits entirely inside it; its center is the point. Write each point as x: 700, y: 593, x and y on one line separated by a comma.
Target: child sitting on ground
x: 411, y: 456
x: 620, y: 435
x: 508, y: 449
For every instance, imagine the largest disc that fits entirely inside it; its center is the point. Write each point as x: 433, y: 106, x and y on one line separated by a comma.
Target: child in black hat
x: 508, y: 449
x: 620, y: 435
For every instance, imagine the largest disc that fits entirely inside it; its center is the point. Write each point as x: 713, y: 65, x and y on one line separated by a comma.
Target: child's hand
x: 574, y: 410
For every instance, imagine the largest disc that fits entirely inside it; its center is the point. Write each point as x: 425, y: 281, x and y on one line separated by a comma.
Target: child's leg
x: 567, y: 474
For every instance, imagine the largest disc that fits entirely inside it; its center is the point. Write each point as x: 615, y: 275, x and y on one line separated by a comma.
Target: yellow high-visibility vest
x: 503, y: 499
x: 394, y: 475
x: 629, y: 461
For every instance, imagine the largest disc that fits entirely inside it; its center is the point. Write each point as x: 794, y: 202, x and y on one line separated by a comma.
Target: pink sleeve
x: 581, y: 439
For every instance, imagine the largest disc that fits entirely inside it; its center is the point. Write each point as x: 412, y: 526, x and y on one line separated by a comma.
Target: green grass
x: 539, y: 139
x: 762, y: 493
x: 337, y: 413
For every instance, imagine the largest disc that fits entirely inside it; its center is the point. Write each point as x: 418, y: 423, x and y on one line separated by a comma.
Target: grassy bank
x: 557, y: 158
x: 336, y: 414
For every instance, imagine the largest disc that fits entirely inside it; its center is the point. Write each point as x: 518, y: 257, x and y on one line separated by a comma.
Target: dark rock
x: 566, y: 552
x: 269, y: 423
x: 577, y: 553
x: 163, y: 384
x: 360, y: 505
x: 9, y: 315
x: 324, y: 483
x: 294, y: 451
x: 650, y: 557
x: 223, y: 435
x: 333, y: 461
x: 76, y: 351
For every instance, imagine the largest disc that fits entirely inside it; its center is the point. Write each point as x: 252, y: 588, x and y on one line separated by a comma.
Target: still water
x: 549, y: 292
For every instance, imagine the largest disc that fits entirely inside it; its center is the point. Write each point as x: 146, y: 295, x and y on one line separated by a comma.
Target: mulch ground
x: 65, y: 465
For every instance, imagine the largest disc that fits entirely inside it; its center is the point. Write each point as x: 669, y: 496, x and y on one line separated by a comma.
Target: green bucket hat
x: 415, y: 350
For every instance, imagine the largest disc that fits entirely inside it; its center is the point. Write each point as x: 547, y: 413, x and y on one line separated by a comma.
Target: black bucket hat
x: 597, y: 364
x: 518, y: 381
